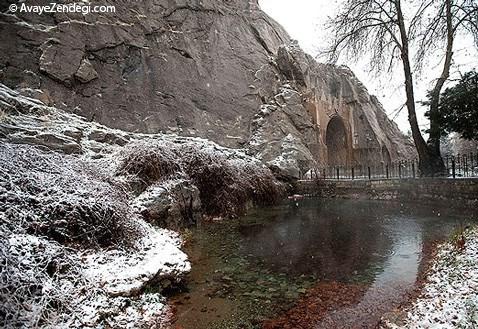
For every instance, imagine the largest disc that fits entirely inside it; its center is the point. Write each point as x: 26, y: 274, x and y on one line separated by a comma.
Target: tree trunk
x: 435, y: 129
x: 430, y: 162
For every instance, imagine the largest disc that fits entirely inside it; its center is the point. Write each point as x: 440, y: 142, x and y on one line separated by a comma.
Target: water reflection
x: 376, y: 243
x: 333, y: 240
x: 391, y: 285
x: 247, y: 269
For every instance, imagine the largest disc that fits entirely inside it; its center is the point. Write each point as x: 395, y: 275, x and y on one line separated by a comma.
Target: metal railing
x: 459, y: 166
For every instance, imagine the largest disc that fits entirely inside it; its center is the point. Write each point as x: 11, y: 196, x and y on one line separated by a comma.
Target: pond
x: 315, y: 264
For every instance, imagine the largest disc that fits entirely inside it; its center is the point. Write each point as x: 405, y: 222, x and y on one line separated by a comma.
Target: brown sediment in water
x: 331, y: 305
x: 187, y: 306
x: 325, y: 297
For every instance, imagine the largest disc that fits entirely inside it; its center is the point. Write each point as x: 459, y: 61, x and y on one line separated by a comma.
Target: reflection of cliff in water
x: 326, y: 240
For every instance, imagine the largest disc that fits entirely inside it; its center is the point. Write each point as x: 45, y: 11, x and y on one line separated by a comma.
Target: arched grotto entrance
x: 336, y: 141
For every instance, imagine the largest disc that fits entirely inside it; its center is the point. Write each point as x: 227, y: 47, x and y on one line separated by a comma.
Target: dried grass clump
x: 262, y: 184
x: 46, y: 193
x: 227, y: 180
x: 39, y: 280
x: 149, y: 162
x: 227, y: 185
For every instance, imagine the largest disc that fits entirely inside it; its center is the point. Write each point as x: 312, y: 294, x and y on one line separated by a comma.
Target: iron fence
x: 459, y: 166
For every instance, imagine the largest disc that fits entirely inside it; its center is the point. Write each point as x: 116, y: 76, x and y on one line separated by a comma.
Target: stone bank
x: 457, y: 192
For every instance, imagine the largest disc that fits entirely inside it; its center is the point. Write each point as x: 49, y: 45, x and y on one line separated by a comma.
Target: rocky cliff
x: 221, y: 70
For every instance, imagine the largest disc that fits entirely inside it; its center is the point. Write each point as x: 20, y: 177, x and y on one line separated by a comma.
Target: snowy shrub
x: 215, y: 182
x: 148, y: 162
x: 50, y: 194
x: 227, y: 180
x: 226, y: 186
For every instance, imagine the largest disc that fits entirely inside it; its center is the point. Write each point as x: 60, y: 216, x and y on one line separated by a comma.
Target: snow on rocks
x: 172, y: 203
x: 227, y: 180
x: 449, y: 298
x: 281, y: 134
x: 294, y: 159
x: 147, y: 311
x: 74, y: 254
x: 126, y: 273
x: 123, y: 275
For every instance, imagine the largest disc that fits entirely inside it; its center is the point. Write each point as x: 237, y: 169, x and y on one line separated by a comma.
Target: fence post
x: 465, y: 160
x: 458, y: 161
x: 453, y: 167
x: 399, y: 169
x: 338, y: 170
x: 369, y: 173
x: 353, y: 173
x: 471, y: 163
x: 386, y: 169
x: 413, y: 168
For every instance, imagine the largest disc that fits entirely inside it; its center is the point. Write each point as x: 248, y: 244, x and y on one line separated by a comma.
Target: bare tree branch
x: 382, y: 30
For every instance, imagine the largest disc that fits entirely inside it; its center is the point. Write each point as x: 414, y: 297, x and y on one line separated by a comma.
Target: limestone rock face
x: 221, y: 70
x: 86, y: 72
x: 172, y: 66
x: 318, y: 115
x: 282, y: 133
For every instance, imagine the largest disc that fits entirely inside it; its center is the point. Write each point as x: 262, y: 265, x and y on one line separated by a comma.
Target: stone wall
x: 456, y: 192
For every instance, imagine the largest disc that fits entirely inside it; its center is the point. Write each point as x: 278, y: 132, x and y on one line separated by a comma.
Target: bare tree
x: 389, y: 33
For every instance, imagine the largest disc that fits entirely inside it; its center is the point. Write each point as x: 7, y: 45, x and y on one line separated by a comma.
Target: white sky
x: 305, y: 20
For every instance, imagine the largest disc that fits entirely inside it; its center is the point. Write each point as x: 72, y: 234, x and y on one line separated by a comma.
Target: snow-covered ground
x: 123, y: 275
x: 76, y: 250
x: 449, y: 298
x: 88, y: 266
x: 126, y: 273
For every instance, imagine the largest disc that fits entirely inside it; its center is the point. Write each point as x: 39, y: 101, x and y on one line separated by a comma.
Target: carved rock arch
x: 336, y: 141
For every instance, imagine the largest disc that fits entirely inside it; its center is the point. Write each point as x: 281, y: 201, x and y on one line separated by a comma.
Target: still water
x: 258, y: 267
